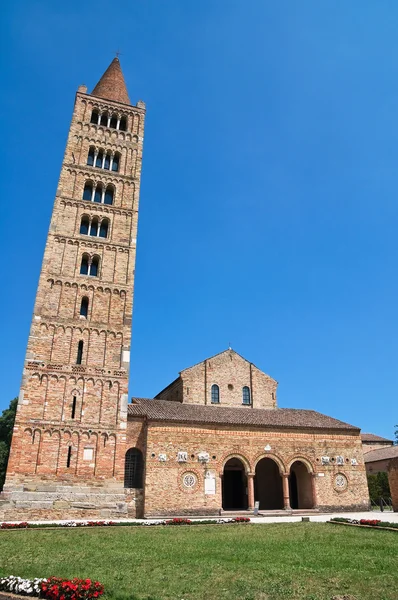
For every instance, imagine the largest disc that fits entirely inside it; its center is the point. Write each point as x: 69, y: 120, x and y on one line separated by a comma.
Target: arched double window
x: 99, y: 193
x: 89, y: 266
x: 133, y: 468
x: 94, y: 227
x: 113, y: 121
x: 215, y: 394
x: 84, y: 307
x: 246, y: 395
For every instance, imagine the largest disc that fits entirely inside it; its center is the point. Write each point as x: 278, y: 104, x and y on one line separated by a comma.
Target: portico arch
x: 234, y: 485
x: 301, y: 485
x: 268, y: 486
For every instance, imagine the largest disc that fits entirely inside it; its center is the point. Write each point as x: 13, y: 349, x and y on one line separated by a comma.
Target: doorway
x: 234, y: 485
x: 268, y: 487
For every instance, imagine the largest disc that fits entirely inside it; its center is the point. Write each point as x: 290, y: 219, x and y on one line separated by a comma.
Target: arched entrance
x: 268, y: 487
x: 300, y: 486
x: 234, y: 485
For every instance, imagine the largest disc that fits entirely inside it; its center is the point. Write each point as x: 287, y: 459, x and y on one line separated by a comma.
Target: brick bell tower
x: 68, y: 447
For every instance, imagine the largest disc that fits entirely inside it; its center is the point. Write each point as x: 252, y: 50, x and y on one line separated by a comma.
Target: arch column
x: 286, y: 494
x: 250, y: 490
x: 313, y: 483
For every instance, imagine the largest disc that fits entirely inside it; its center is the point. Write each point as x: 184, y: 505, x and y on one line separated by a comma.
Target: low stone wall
x: 69, y: 502
x: 393, y: 481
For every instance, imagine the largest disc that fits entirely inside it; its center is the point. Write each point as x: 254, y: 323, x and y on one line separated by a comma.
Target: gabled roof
x: 228, y: 350
x: 371, y: 437
x: 112, y: 86
x: 289, y: 418
x: 381, y: 454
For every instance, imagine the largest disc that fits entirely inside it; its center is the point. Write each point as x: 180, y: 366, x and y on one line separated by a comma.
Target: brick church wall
x: 393, y: 481
x: 165, y: 493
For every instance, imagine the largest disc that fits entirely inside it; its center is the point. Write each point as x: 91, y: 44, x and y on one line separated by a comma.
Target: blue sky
x: 268, y: 213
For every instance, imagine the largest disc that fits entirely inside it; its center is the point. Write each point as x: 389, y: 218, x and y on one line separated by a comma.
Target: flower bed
x: 177, y: 521
x: 366, y: 522
x: 53, y: 588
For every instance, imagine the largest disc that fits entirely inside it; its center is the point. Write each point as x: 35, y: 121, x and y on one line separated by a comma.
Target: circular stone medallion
x: 340, y: 482
x: 189, y: 480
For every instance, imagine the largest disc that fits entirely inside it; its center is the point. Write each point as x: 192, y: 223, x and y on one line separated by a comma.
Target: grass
x: 305, y: 561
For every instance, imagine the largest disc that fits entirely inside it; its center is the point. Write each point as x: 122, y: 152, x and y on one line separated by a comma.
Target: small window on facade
x: 84, y: 265
x: 246, y: 395
x: 98, y: 194
x: 94, y: 227
x: 103, y: 232
x: 84, y: 224
x: 98, y: 162
x: 108, y: 195
x: 113, y: 122
x: 104, y: 119
x: 215, y: 394
x: 107, y: 162
x: 73, y: 412
x: 69, y: 457
x: 88, y: 191
x: 90, y: 157
x: 94, y: 117
x: 123, y: 124
x: 79, y: 357
x: 115, y: 164
x: 84, y: 307
x: 94, y: 266
x: 133, y: 468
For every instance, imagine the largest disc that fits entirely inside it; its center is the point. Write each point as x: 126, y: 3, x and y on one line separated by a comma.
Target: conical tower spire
x: 112, y: 86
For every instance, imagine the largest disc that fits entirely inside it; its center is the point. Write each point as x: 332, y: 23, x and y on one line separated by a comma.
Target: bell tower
x: 70, y: 430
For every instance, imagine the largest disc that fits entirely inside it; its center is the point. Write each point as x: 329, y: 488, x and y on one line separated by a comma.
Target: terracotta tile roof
x: 381, y: 454
x: 292, y: 418
x: 371, y: 437
x: 112, y: 86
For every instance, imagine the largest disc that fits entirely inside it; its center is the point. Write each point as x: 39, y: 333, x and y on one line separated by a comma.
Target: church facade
x: 213, y: 440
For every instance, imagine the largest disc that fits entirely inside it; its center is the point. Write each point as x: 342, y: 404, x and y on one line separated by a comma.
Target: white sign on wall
x: 210, y: 482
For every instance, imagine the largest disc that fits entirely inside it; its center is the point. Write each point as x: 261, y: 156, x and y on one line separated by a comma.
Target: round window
x: 230, y: 386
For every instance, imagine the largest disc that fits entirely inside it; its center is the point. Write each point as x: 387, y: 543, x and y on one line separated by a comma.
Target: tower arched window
x: 108, y: 195
x: 103, y: 231
x: 94, y: 117
x: 100, y: 158
x: 84, y: 307
x: 84, y: 265
x: 133, y: 468
x: 104, y: 119
x: 90, y: 157
x: 98, y: 194
x: 94, y: 227
x: 107, y: 161
x: 84, y: 225
x: 115, y: 163
x: 93, y: 270
x: 123, y: 124
x: 246, y: 395
x: 88, y: 191
x: 79, y: 357
x: 215, y: 394
x: 113, y: 122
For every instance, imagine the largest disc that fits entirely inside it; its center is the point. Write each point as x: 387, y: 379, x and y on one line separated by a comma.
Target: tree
x: 378, y: 487
x: 6, y: 426
x: 396, y: 434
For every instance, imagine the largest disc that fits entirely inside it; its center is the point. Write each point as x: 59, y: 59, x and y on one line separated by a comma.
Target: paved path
x: 264, y: 520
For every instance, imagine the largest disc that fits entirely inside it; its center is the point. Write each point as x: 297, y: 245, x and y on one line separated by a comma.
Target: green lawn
x: 306, y: 561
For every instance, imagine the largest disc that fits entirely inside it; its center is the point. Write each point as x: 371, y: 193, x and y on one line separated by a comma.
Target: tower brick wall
x: 70, y: 428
